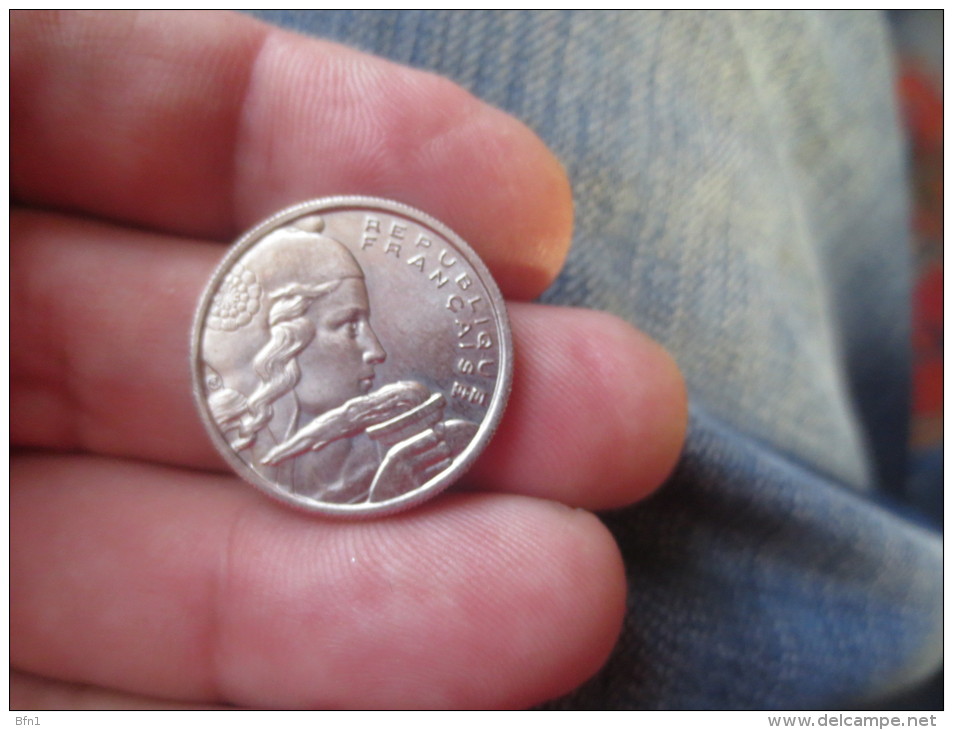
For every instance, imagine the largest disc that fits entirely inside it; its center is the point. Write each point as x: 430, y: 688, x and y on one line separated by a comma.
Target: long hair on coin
x: 290, y: 332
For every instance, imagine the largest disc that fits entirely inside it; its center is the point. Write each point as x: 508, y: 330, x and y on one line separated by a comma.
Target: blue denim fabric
x: 740, y: 195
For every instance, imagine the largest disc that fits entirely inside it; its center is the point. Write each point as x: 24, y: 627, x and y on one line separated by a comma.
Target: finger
x: 427, y: 451
x: 433, y: 461
x: 94, y: 359
x: 29, y: 692
x: 596, y: 417
x: 204, y: 123
x: 180, y: 585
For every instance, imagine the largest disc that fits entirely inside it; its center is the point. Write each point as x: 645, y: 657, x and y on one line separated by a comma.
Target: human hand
x: 410, y: 464
x: 139, y: 564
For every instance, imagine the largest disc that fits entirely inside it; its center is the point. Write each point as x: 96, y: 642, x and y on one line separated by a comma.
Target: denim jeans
x: 740, y: 195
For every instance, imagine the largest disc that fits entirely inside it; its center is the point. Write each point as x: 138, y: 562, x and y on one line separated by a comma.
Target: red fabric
x: 922, y: 105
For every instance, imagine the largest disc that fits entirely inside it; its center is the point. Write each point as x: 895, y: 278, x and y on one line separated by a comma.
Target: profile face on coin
x: 351, y: 356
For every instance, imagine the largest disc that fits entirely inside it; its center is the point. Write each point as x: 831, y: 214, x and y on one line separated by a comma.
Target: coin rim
x: 488, y: 425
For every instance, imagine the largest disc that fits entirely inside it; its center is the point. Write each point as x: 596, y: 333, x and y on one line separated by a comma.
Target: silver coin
x: 351, y: 356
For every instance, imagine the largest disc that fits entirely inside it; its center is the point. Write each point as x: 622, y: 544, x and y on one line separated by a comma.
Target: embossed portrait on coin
x: 291, y: 357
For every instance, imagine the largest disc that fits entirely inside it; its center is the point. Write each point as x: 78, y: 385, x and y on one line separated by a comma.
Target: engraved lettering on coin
x: 351, y: 356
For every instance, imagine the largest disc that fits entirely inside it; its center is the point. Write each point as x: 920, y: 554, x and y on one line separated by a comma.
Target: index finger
x: 203, y: 123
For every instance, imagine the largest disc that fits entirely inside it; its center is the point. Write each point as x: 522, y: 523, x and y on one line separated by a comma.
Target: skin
x: 142, y: 572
